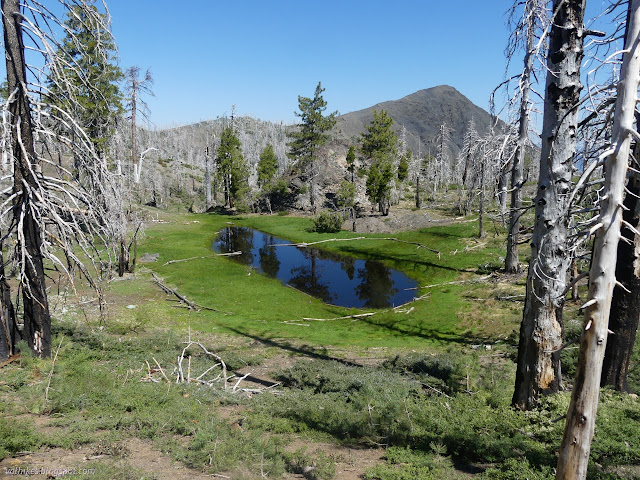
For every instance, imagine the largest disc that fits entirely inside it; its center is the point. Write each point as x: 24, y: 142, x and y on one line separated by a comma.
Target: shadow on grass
x: 303, y: 350
x: 443, y: 337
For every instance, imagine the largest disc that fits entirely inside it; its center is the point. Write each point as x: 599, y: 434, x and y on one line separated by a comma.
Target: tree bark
x: 512, y: 264
x: 541, y: 330
x: 37, y: 320
x: 624, y: 314
x: 8, y: 327
x: 207, y: 180
x: 574, y: 451
x: 481, y: 207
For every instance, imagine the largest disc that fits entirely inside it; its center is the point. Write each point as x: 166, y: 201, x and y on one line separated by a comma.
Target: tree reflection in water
x: 376, y: 287
x: 336, y: 279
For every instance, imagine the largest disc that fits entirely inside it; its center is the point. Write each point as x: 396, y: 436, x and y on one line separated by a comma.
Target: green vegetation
x: 378, y: 147
x: 221, y: 283
x: 327, y: 222
x: 419, y: 382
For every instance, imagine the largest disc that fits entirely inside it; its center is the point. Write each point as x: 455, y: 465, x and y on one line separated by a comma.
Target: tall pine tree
x: 232, y: 167
x: 92, y: 72
x: 311, y: 135
x: 379, y: 147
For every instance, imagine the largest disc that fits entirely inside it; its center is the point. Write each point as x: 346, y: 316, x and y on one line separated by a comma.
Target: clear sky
x: 206, y: 55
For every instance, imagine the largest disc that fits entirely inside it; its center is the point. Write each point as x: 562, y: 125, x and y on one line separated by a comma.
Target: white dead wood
x: 581, y: 416
x: 47, y: 201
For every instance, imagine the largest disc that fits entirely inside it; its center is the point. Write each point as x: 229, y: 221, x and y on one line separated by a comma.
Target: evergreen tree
x: 351, y: 162
x: 267, y: 166
x: 92, y: 71
x: 267, y: 169
x: 231, y: 167
x: 379, y: 147
x: 311, y: 134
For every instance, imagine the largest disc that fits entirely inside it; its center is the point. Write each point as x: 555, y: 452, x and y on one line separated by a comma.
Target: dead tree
x: 541, y: 330
x: 523, y: 36
x: 46, y: 211
x: 576, y: 443
x: 135, y: 87
x: 624, y: 315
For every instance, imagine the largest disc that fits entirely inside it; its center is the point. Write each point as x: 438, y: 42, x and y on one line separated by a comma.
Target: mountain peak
x: 421, y: 113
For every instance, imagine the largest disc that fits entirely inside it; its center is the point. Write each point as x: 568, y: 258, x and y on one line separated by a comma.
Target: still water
x: 335, y: 279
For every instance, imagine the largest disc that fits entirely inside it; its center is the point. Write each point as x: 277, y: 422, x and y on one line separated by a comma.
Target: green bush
x: 327, y: 222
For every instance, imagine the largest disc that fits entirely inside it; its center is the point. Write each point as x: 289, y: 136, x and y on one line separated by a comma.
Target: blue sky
x: 206, y: 55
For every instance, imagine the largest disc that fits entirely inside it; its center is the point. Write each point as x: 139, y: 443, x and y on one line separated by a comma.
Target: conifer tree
x: 379, y: 147
x: 311, y: 135
x: 91, y: 72
x: 267, y: 169
x: 351, y: 162
x: 231, y: 166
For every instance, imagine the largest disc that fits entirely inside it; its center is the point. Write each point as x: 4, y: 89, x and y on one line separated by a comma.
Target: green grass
x: 257, y: 306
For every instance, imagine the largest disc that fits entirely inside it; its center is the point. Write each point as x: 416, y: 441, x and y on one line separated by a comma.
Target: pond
x: 335, y: 279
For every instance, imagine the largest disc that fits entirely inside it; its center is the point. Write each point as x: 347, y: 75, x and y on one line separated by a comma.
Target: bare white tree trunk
x: 512, y: 264
x: 541, y: 331
x: 581, y: 417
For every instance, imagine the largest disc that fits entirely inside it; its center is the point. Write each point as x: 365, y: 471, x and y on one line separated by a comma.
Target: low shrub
x: 327, y: 222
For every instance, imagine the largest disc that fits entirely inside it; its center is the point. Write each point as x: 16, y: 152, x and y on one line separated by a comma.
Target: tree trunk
x: 134, y: 149
x: 8, y: 327
x: 481, y: 208
x: 227, y: 197
x: 512, y: 264
x: 575, y: 273
x: 573, y: 456
x: 503, y: 181
x: 418, y: 199
x: 541, y: 330
x: 624, y: 314
x: 207, y: 181
x: 123, y: 258
x: 37, y: 320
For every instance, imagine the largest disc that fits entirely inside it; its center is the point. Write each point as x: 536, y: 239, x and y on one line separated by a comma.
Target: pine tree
x: 311, y: 135
x: 267, y: 169
x: 379, y: 144
x: 351, y: 162
x: 92, y: 73
x: 231, y: 167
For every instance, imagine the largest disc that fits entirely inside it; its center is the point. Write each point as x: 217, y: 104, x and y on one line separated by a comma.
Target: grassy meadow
x: 417, y: 392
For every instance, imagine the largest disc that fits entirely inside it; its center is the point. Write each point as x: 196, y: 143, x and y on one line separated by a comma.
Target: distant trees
x: 231, y: 167
x: 379, y: 148
x: 311, y: 134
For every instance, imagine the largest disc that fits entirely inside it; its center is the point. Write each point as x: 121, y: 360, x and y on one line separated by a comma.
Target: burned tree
x: 541, y: 330
x: 47, y: 213
x: 574, y: 452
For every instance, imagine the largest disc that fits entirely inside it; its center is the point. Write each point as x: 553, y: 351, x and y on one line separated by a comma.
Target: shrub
x: 327, y: 222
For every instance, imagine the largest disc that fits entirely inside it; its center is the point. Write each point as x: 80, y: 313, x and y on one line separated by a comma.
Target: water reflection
x: 333, y: 278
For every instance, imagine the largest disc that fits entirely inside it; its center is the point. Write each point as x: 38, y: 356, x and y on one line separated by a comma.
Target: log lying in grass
x: 183, y: 300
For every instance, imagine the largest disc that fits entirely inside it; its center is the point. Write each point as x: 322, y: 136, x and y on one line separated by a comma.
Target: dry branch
x: 184, y: 300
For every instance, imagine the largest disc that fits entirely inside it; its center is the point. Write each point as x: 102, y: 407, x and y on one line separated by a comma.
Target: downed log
x: 187, y: 303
